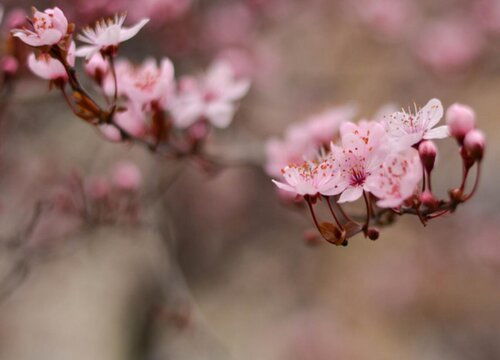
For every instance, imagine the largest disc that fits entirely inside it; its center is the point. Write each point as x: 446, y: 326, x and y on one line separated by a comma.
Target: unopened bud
x: 9, y: 65
x: 428, y: 152
x: 456, y: 195
x: 474, y: 143
x: 373, y: 234
x: 460, y: 120
x: 428, y: 199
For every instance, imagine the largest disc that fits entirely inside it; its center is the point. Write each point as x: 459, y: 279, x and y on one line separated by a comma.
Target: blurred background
x: 214, y: 266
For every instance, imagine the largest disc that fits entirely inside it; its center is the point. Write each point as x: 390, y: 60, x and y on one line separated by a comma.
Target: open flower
x: 406, y: 129
x: 49, y: 27
x: 146, y: 83
x: 396, y: 179
x: 49, y: 68
x: 212, y: 97
x: 310, y: 178
x: 363, y: 151
x: 106, y: 35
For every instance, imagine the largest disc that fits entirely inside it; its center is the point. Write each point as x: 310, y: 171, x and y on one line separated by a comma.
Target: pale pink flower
x: 49, y: 27
x: 15, y: 18
x: 148, y: 82
x: 449, y: 45
x: 49, y: 68
x: 310, y: 178
x: 212, y: 97
x: 127, y: 176
x: 97, y: 66
x: 280, y: 153
x: 364, y: 149
x: 396, y: 179
x: 405, y: 129
x: 132, y: 120
x: 324, y: 127
x: 158, y: 10
x: 106, y: 35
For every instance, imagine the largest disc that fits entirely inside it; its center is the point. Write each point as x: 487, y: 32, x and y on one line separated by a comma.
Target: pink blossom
x: 474, y: 143
x: 132, y: 120
x: 449, y: 45
x: 97, y: 66
x: 361, y: 155
x: 280, y: 153
x: 49, y: 27
x: 49, y: 68
x: 460, y: 119
x: 127, y: 176
x: 405, y: 129
x: 110, y: 132
x: 159, y: 10
x: 147, y: 83
x: 106, y: 35
x: 212, y: 97
x: 310, y: 178
x: 15, y: 18
x: 9, y: 65
x: 396, y: 179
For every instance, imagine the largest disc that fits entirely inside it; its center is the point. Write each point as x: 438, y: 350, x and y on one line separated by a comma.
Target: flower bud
x: 9, y: 65
x: 373, y: 234
x: 127, y: 176
x: 474, y: 143
x: 460, y: 120
x: 428, y: 152
x: 428, y: 199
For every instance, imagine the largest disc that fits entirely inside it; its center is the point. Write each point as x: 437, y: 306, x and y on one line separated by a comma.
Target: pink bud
x: 428, y: 199
x: 110, y: 132
x: 9, y: 65
x: 428, y: 152
x: 127, y: 176
x: 460, y: 119
x: 474, y: 143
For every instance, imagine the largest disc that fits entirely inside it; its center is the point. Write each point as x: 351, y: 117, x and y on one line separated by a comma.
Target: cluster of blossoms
x: 384, y: 162
x: 446, y: 42
x: 146, y: 104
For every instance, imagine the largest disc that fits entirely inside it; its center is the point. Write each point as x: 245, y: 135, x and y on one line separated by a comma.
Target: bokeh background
x: 217, y: 267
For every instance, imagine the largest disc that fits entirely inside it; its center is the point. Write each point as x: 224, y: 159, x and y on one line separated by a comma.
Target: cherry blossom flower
x: 49, y: 27
x: 110, y: 132
x: 49, y: 68
x: 212, y: 97
x: 310, y: 178
x: 97, y: 66
x: 303, y: 141
x: 146, y: 83
x: 106, y: 35
x: 396, y: 179
x: 132, y: 120
x: 363, y: 151
x: 406, y: 129
x: 460, y: 119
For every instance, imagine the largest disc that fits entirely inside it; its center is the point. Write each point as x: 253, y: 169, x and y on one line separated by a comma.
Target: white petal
x: 128, y: 33
x: 86, y: 51
x: 220, y: 113
x: 283, y: 186
x: 431, y: 113
x: 351, y: 194
x: 440, y: 132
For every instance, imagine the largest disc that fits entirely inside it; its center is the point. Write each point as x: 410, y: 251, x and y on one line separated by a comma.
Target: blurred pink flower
x: 110, y: 132
x: 405, y: 129
x: 132, y: 120
x: 160, y: 11
x: 49, y: 68
x: 389, y: 19
x: 9, y: 65
x: 310, y: 178
x: 397, y: 178
x: 148, y: 82
x: 213, y: 97
x: 487, y: 13
x: 127, y: 176
x: 97, y: 187
x: 15, y: 18
x: 106, y: 35
x: 449, y: 45
x: 363, y: 152
x: 97, y: 67
x: 49, y: 27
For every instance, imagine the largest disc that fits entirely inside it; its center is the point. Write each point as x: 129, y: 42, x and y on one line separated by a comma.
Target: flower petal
x: 128, y: 33
x: 440, y: 132
x: 352, y: 193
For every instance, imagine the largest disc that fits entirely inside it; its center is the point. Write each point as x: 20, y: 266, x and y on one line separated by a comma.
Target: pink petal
x: 440, y: 132
x: 351, y: 194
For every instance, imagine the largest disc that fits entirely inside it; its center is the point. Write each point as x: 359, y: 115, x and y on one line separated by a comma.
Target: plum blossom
x: 132, y: 120
x: 363, y: 151
x: 106, y: 35
x: 303, y: 141
x: 310, y: 178
x: 396, y: 179
x: 146, y: 83
x: 406, y: 129
x: 212, y: 97
x: 127, y: 176
x: 49, y: 68
x: 49, y: 27
x: 97, y: 66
